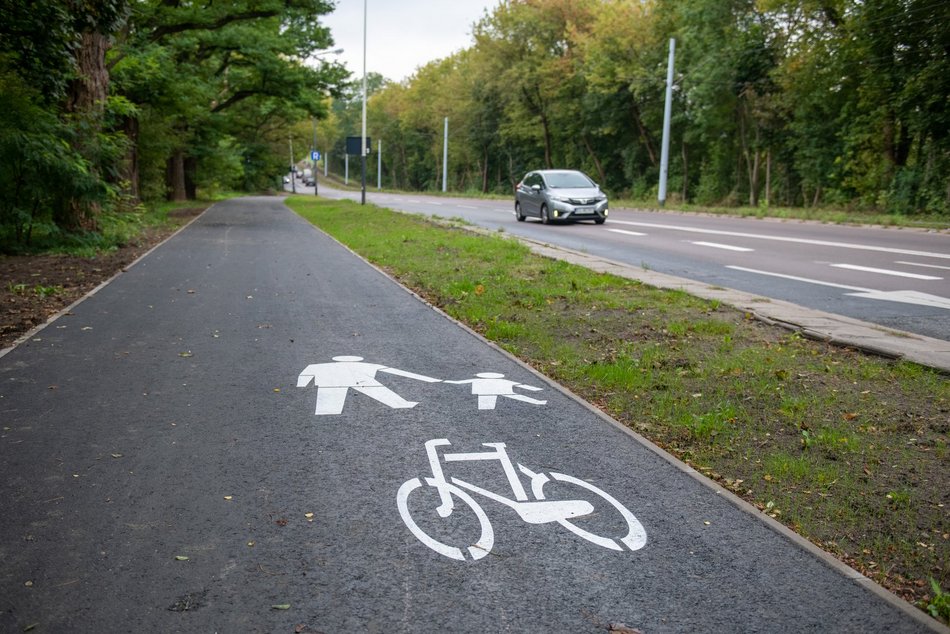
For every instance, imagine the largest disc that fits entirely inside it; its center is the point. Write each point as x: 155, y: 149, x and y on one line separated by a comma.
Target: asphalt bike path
x: 253, y: 430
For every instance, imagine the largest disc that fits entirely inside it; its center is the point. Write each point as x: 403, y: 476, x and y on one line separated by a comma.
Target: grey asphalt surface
x: 161, y: 420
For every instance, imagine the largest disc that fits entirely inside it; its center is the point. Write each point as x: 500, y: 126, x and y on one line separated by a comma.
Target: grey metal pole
x: 379, y: 164
x: 346, y: 169
x: 316, y: 185
x: 363, y: 141
x: 445, y: 157
x: 667, y: 114
x: 293, y: 173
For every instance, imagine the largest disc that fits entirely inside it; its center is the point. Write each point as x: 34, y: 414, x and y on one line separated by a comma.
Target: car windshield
x: 567, y: 180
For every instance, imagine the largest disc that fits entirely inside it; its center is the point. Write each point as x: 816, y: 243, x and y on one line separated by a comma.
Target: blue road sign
x: 314, y: 156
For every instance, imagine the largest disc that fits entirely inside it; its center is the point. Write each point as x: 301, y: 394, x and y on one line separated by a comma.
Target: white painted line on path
x: 758, y: 236
x: 906, y: 297
x: 727, y: 247
x: 626, y: 233
x: 926, y: 266
x: 869, y: 269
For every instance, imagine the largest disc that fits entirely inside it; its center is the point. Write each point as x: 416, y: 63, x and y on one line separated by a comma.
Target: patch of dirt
x: 36, y: 287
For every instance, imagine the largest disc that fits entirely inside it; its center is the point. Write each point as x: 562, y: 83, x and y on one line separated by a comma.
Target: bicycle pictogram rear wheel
x: 478, y: 550
x: 635, y: 537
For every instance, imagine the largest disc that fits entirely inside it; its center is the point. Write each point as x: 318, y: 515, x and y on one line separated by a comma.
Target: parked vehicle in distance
x: 559, y: 196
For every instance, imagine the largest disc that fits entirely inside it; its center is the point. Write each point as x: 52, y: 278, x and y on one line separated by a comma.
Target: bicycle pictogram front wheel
x: 632, y: 534
x: 479, y: 549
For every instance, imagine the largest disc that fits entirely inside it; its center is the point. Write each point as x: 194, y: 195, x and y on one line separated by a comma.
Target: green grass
x: 849, y: 450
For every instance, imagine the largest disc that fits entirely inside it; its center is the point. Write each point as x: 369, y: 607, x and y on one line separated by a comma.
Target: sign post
x: 314, y: 157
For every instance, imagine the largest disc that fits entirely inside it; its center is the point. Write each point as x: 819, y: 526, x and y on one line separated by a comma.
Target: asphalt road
x: 899, y: 278
x: 250, y: 431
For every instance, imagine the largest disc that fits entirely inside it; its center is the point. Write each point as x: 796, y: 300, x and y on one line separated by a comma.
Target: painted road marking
x: 627, y: 233
x: 727, y: 247
x: 926, y: 266
x: 869, y: 269
x: 756, y: 236
x: 906, y: 297
x: 534, y: 509
x: 334, y: 380
x: 488, y: 386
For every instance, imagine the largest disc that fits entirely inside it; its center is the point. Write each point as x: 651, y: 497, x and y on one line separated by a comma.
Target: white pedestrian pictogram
x: 488, y: 386
x: 333, y: 380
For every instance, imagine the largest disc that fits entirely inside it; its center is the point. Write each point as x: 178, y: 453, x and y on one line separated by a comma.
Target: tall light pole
x: 363, y: 138
x: 667, y: 115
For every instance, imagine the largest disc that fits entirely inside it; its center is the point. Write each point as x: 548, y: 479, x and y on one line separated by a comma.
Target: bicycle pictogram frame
x: 533, y: 510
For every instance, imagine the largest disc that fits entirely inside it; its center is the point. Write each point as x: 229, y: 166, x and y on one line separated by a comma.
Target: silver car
x: 559, y: 195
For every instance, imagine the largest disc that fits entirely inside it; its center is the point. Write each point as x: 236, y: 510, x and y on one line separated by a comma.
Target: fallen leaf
x: 250, y: 544
x: 281, y: 521
x: 28, y: 584
x: 228, y: 497
x: 181, y: 558
x: 309, y: 516
x: 280, y: 606
x: 185, y: 354
x: 116, y: 455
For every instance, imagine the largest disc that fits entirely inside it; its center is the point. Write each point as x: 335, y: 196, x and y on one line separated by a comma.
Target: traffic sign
x: 314, y: 156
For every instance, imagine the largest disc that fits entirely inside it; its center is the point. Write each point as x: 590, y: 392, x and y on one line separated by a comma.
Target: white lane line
x: 430, y: 202
x: 727, y: 247
x: 757, y: 236
x: 626, y: 233
x: 869, y: 269
x: 467, y: 207
x: 926, y: 266
x: 802, y: 279
x: 905, y: 297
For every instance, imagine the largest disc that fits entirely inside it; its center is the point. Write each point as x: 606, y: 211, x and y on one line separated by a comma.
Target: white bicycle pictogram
x: 538, y: 510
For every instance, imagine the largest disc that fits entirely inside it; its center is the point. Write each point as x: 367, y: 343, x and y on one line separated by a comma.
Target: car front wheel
x: 545, y: 218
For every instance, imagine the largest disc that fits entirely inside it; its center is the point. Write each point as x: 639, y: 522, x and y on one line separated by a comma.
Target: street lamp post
x: 363, y: 139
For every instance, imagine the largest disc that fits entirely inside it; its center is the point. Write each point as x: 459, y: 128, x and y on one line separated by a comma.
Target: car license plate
x: 584, y: 210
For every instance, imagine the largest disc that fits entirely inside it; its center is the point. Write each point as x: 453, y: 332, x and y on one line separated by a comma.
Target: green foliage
x: 939, y: 606
x: 108, y: 103
x: 776, y: 102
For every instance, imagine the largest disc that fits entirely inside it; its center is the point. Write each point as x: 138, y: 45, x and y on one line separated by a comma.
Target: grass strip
x: 848, y: 450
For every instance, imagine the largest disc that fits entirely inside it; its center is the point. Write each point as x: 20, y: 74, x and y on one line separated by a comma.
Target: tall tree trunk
x: 685, y: 171
x: 191, y: 171
x: 175, y: 177
x: 485, y: 170
x: 86, y: 100
x: 130, y: 167
x: 768, y: 177
x: 645, y: 136
x: 547, y: 141
x: 597, y: 163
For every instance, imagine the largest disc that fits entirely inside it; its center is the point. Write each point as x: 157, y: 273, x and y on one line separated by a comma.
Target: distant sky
x: 402, y: 35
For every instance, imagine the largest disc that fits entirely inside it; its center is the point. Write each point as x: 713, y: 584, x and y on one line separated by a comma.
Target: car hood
x: 579, y: 192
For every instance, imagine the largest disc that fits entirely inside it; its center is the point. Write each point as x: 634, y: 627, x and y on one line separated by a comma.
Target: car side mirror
x: 536, y: 188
